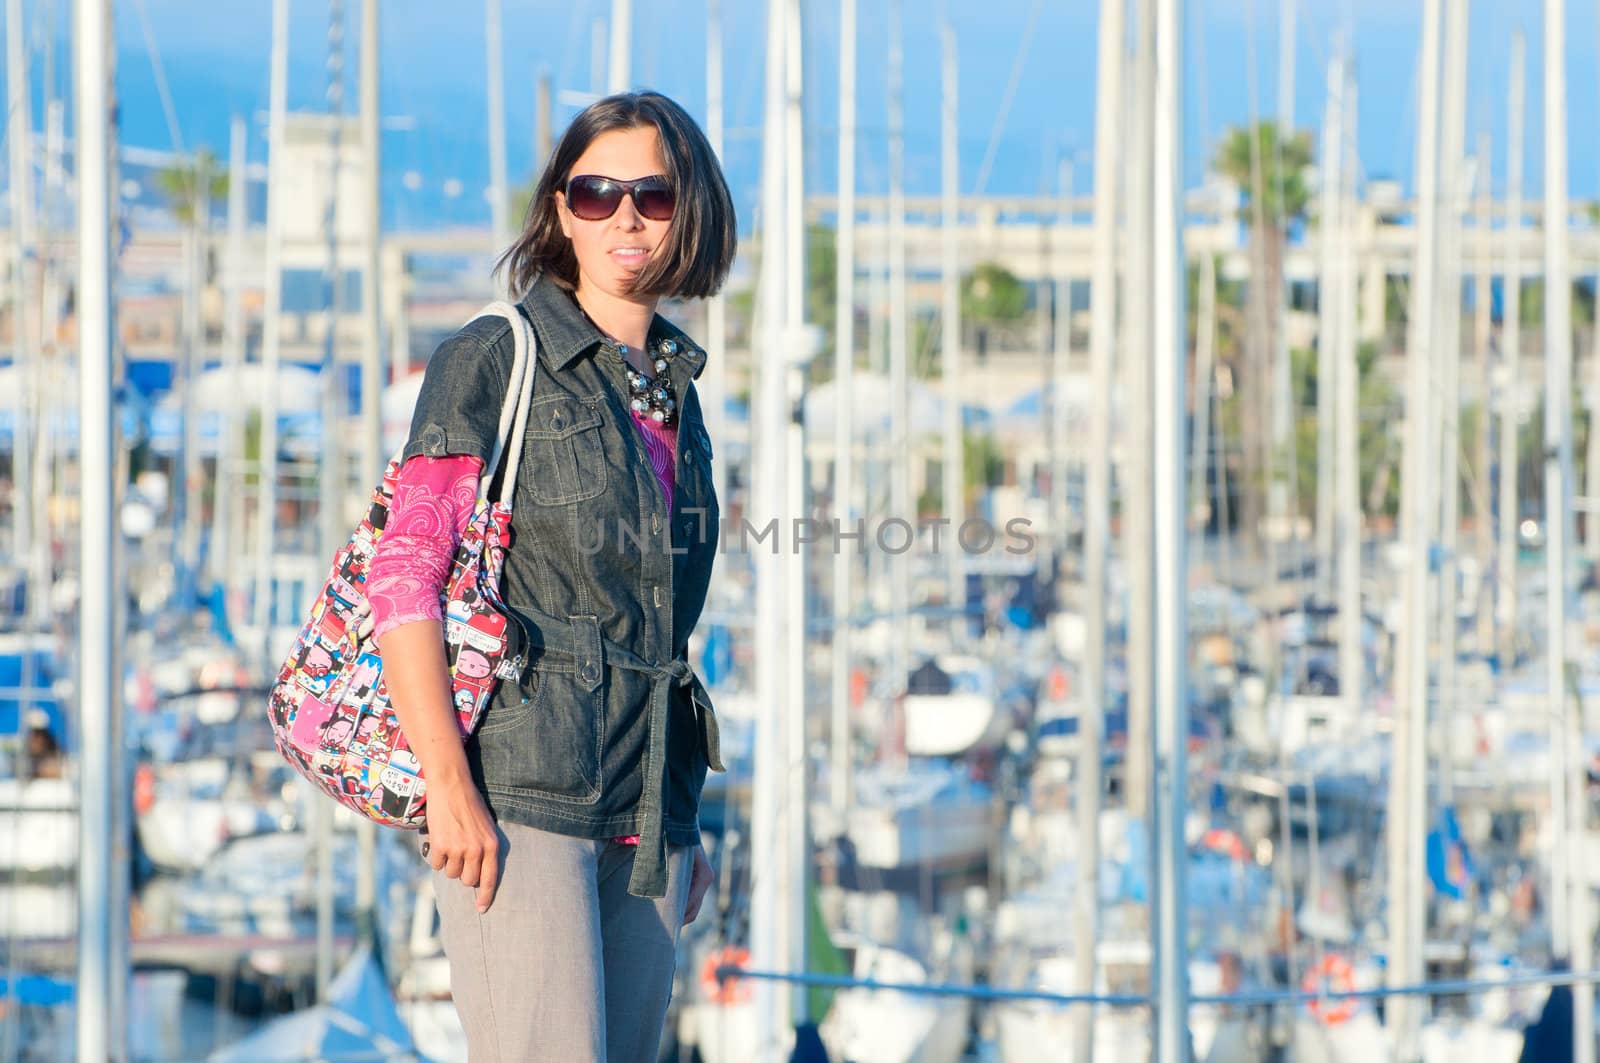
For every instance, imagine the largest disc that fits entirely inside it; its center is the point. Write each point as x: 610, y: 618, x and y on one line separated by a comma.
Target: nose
x: 627, y: 217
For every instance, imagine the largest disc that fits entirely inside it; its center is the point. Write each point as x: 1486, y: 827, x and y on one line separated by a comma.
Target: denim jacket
x: 608, y: 731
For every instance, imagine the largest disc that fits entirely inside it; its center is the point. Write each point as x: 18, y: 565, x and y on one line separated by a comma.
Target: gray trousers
x: 566, y: 965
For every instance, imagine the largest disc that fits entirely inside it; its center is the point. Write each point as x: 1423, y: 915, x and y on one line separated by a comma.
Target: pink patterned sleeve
x: 432, y: 505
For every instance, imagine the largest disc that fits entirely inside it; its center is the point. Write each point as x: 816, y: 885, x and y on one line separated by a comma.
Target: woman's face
x: 613, y: 251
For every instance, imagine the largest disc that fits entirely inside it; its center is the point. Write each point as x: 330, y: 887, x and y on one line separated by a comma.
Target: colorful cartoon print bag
x: 329, y: 708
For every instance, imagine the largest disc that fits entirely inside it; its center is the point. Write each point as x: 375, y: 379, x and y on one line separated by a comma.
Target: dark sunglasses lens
x: 593, y: 198
x: 655, y: 200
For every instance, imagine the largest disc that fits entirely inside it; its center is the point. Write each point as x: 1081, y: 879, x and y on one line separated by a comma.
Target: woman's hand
x: 462, y: 840
x: 699, y: 881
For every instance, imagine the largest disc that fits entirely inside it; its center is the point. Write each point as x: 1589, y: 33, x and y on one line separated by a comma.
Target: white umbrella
x: 225, y: 388
x: 399, y: 400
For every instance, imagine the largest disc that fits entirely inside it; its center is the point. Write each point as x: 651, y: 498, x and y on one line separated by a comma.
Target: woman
x: 564, y: 835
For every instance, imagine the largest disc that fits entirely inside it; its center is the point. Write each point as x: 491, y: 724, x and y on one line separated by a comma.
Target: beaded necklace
x: 649, y: 396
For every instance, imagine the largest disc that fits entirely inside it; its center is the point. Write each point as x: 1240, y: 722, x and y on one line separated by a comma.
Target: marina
x: 1156, y: 614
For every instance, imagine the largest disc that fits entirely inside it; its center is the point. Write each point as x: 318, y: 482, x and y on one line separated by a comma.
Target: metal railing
x: 1260, y: 998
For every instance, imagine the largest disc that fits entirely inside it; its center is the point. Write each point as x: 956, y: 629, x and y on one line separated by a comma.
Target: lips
x: 630, y: 255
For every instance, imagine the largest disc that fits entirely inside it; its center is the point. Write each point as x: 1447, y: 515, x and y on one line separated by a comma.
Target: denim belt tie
x: 649, y: 878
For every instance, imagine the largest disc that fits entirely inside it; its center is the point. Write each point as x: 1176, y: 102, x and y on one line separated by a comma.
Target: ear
x: 563, y: 216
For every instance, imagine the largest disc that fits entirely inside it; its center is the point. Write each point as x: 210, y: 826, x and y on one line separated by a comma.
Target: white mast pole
x: 102, y: 931
x: 1511, y: 344
x: 1448, y: 307
x: 1136, y: 399
x: 844, y: 466
x: 334, y: 471
x: 499, y: 207
x: 713, y: 383
x: 1408, y: 776
x: 1169, y: 356
x: 1285, y: 514
x: 1328, y: 323
x: 620, y: 71
x: 372, y: 457
x: 271, y: 311
x: 795, y: 701
x: 1108, y: 132
x: 1060, y: 353
x: 950, y: 324
x: 772, y: 1002
x: 1347, y: 418
x: 1571, y: 825
x: 372, y: 229
x: 231, y: 431
x: 24, y: 335
x: 1483, y: 327
x: 900, y: 436
x: 187, y: 491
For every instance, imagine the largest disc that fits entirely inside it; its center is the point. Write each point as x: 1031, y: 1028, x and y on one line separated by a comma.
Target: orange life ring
x: 144, y: 788
x: 1333, y: 973
x: 732, y: 989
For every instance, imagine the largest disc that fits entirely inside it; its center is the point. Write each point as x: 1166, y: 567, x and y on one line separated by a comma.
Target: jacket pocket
x: 565, y: 450
x: 550, y: 743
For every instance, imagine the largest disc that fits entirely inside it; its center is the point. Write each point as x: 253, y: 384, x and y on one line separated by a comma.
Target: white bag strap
x: 514, y: 412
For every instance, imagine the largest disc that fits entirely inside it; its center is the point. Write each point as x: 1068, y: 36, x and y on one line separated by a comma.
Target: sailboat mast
x: 1347, y: 419
x: 796, y: 349
x: 900, y: 436
x: 952, y: 491
x: 231, y: 430
x: 1447, y: 294
x: 841, y: 763
x: 1281, y: 502
x: 1136, y: 499
x: 494, y: 43
x: 271, y: 335
x: 619, y: 71
x: 1169, y: 357
x: 24, y: 237
x: 371, y: 376
x: 1409, y: 763
x: 1108, y: 130
x: 772, y: 1002
x: 1328, y: 323
x: 1483, y: 326
x: 99, y: 1037
x: 1571, y: 826
x: 713, y: 382
x: 1511, y: 347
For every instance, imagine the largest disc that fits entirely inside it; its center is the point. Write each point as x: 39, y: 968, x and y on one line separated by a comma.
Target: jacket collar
x: 565, y: 334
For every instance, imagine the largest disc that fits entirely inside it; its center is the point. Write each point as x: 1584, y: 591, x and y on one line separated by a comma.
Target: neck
x: 624, y: 320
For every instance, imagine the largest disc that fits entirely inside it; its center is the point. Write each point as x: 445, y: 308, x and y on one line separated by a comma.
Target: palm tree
x: 991, y: 295
x: 191, y: 186
x: 196, y: 180
x: 1269, y: 169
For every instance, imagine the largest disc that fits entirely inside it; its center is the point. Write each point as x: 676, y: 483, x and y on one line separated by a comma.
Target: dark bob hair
x: 702, y: 238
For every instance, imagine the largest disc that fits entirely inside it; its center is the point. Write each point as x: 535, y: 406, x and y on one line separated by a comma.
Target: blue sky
x: 215, y: 57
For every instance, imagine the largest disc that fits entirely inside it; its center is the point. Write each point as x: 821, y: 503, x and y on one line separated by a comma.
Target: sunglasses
x: 595, y: 198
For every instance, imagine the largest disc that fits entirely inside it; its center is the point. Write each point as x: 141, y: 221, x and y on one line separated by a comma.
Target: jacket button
x: 589, y: 672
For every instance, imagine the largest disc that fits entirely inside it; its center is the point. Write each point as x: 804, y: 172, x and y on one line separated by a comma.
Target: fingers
x: 489, y: 877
